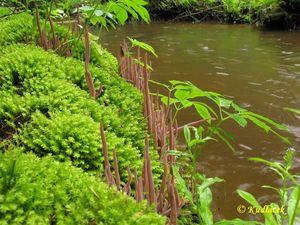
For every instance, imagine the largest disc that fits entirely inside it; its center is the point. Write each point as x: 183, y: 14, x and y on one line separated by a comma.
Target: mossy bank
x: 45, y: 110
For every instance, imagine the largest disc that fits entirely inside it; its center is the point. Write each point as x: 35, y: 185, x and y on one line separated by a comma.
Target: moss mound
x: 44, y: 191
x: 21, y: 28
x: 45, y: 109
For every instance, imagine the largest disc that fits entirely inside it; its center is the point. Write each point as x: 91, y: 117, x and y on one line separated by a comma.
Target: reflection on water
x: 260, y: 70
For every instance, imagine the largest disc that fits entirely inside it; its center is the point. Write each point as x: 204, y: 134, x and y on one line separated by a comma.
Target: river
x: 260, y: 70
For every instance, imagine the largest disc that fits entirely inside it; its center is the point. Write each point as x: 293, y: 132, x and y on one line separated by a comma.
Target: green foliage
x: 41, y: 81
x: 246, y: 9
x: 22, y: 28
x: 45, y: 95
x: 229, y: 10
x: 20, y: 64
x: 4, y: 11
x: 214, y: 109
x: 204, y: 199
x: 142, y: 45
x: 171, y: 4
x: 76, y: 138
x: 44, y: 191
x: 16, y: 28
x: 296, y: 111
x: 66, y: 136
x: 289, y: 192
x: 115, y: 12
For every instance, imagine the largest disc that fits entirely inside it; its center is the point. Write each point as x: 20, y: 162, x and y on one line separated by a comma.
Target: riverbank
x: 46, y: 110
x: 275, y: 14
x: 48, y: 76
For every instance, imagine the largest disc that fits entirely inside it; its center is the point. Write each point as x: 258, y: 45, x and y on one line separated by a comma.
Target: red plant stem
x: 163, y: 182
x: 172, y: 138
x: 108, y: 174
x: 141, y: 188
x: 152, y: 196
x: 138, y: 188
x: 127, y: 187
x: 147, y: 94
x: 172, y: 201
x: 116, y: 168
x: 52, y: 28
x: 88, y: 75
x: 39, y: 24
x: 145, y: 175
x: 195, y: 123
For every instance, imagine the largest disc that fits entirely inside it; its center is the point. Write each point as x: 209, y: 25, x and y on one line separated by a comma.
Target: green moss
x: 41, y: 82
x: 4, y: 11
x: 44, y: 191
x: 21, y: 63
x: 16, y: 28
x: 21, y: 28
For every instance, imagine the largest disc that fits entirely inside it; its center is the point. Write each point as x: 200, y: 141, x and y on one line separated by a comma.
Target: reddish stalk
x: 138, y: 187
x: 172, y: 201
x: 162, y: 126
x: 116, y: 169
x: 127, y: 187
x: 38, y: 23
x: 52, y: 29
x: 108, y: 174
x: 88, y: 75
x: 152, y: 196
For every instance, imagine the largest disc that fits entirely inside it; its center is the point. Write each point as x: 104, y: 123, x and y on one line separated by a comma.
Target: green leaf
x: 272, y: 188
x: 293, y: 110
x: 269, y: 218
x: 181, y: 185
x: 86, y: 8
x: 277, y: 215
x: 225, y: 136
x: 239, y: 119
x: 160, y: 84
x: 98, y: 12
x: 176, y: 82
x: 249, y: 198
x: 187, y: 134
x: 293, y: 209
x: 120, y: 13
x: 94, y: 20
x: 288, y: 158
x: 196, y: 134
x: 204, y: 199
x: 238, y: 108
x: 143, y: 45
x: 203, y: 112
x: 267, y: 120
x: 223, y: 102
x: 167, y: 100
x: 258, y: 123
x: 182, y: 94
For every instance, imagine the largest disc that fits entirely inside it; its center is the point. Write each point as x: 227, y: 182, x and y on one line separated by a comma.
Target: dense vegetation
x: 45, y: 109
x: 280, y: 13
x: 59, y: 140
x: 44, y: 191
x: 33, y: 75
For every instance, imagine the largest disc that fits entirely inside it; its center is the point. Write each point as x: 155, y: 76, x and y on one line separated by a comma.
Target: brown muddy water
x: 260, y: 70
